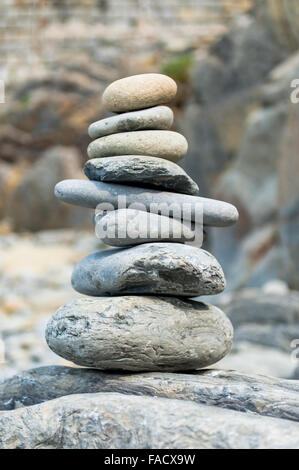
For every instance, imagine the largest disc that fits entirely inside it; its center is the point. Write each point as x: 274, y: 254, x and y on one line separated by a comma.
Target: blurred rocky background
x: 234, y: 62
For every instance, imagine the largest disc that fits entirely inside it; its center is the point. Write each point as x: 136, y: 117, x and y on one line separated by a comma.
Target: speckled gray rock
x: 266, y: 396
x: 116, y: 421
x: 152, y: 268
x: 91, y: 193
x: 125, y: 227
x: 140, y: 333
x: 159, y: 117
x: 163, y: 144
x: 140, y: 170
x: 138, y: 92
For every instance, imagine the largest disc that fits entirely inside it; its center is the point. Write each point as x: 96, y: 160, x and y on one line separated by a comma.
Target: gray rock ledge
x: 265, y: 396
x: 116, y: 421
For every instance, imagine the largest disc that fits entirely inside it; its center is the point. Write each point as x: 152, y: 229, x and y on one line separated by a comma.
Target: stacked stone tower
x: 140, y: 317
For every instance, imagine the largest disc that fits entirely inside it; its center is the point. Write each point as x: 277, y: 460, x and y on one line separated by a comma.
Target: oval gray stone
x: 163, y: 144
x: 91, y: 193
x: 140, y: 333
x: 125, y: 227
x: 141, y: 170
x: 152, y: 268
x: 138, y: 92
x: 159, y: 117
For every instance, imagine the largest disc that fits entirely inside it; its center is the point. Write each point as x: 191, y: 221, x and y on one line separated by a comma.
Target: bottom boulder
x: 137, y: 333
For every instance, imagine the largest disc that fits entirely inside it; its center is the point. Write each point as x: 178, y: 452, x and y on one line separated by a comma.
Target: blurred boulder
x: 262, y: 180
x: 267, y: 316
x: 225, y: 89
x: 54, y: 109
x: 33, y: 205
x: 282, y: 18
x: 5, y: 172
x: 258, y: 307
x: 251, y: 181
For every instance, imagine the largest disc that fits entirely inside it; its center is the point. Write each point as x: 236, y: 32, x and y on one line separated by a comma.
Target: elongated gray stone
x: 159, y: 117
x: 265, y: 396
x: 138, y: 92
x: 140, y: 333
x: 91, y: 193
x: 151, y: 268
x: 140, y: 170
x: 163, y: 144
x: 116, y: 421
x: 125, y: 227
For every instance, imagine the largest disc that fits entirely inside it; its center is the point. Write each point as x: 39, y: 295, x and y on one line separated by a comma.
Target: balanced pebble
x: 138, y: 92
x: 159, y: 117
x: 163, y: 144
x: 140, y: 170
x: 125, y: 227
x: 152, y: 268
x: 91, y: 193
x: 140, y: 333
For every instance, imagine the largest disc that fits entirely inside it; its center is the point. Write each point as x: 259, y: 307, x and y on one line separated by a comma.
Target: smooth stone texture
x: 265, y: 396
x: 139, y: 333
x: 141, y: 170
x: 139, y: 91
x: 132, y: 227
x: 162, y: 144
x: 91, y: 193
x: 159, y: 117
x: 116, y: 421
x: 152, y: 268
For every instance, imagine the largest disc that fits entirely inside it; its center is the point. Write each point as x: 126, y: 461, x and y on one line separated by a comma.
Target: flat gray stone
x: 138, y: 92
x: 163, y: 144
x: 265, y: 396
x: 159, y: 117
x: 91, y: 193
x: 140, y: 170
x: 151, y: 268
x: 125, y: 227
x: 116, y: 421
x: 139, y: 333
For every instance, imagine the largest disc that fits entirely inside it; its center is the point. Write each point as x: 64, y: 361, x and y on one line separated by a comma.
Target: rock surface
x: 163, y: 144
x: 91, y: 193
x: 152, y: 268
x: 141, y: 170
x: 140, y: 333
x: 116, y: 421
x: 139, y: 91
x: 257, y: 394
x: 32, y: 206
x: 132, y: 227
x: 246, y: 357
x: 254, y: 306
x: 159, y: 117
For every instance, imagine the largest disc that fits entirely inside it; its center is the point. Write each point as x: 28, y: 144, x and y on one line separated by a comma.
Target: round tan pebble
x: 138, y: 92
x: 163, y: 144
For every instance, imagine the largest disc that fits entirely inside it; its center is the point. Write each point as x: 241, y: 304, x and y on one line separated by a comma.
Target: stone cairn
x: 140, y: 318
